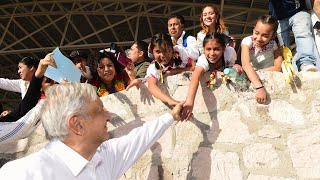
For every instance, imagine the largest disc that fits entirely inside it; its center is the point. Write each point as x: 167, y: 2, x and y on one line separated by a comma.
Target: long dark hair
x: 162, y: 40
x: 219, y: 37
x: 95, y: 59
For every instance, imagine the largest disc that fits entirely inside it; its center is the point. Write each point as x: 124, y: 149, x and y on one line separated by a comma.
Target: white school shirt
x: 152, y: 71
x: 15, y: 85
x: 261, y: 58
x: 192, y: 46
x: 230, y: 57
x: 57, y: 161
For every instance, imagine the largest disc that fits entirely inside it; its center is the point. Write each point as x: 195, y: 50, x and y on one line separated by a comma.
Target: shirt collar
x: 180, y: 40
x: 72, y: 159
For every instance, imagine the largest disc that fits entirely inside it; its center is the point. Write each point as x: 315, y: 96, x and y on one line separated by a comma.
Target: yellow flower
x: 119, y: 86
x: 103, y: 92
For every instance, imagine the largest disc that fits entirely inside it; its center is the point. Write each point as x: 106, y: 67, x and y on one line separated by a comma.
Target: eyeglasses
x: 174, y: 24
x: 74, y: 53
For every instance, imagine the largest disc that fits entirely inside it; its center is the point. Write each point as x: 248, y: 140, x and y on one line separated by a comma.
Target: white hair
x: 61, y: 102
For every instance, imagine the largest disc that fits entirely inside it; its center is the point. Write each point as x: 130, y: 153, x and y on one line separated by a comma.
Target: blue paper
x: 65, y: 68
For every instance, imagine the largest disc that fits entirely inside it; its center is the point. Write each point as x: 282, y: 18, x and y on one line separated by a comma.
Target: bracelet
x: 260, y: 87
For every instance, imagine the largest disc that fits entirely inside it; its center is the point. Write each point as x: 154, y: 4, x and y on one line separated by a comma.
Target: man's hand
x: 175, y: 112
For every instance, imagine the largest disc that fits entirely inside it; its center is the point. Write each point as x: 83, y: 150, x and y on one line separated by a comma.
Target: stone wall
x: 230, y: 137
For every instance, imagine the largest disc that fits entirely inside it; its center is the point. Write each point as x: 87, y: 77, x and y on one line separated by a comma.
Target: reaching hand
x: 175, y: 112
x: 186, y: 113
x: 136, y: 83
x: 238, y: 68
x: 43, y: 64
x: 261, y: 95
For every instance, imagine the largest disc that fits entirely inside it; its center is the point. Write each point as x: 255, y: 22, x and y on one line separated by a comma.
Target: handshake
x: 181, y: 112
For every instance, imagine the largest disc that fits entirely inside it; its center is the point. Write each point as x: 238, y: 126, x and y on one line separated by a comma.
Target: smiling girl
x: 261, y: 51
x: 210, y: 21
x: 213, y: 59
x: 168, y: 60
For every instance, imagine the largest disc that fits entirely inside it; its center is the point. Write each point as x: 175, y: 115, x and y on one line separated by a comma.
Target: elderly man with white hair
x: 75, y: 122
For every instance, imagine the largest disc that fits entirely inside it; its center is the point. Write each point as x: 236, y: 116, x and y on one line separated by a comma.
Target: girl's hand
x: 261, y: 95
x: 43, y: 64
x: 238, y: 68
x: 186, y: 113
x: 136, y: 83
x: 176, y: 111
x: 167, y: 73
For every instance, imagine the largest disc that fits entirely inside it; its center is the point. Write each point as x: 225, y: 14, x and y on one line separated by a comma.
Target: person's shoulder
x: 190, y: 38
x: 201, y: 33
x: 145, y: 63
x: 230, y: 50
x: 152, y: 65
x: 30, y: 166
x: 247, y: 40
x: 23, y: 165
x: 202, y: 59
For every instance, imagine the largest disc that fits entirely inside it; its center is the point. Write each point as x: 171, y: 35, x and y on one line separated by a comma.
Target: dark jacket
x: 282, y: 9
x: 29, y: 101
x: 140, y: 69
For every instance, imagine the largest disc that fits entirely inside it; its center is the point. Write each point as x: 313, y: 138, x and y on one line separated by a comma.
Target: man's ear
x: 74, y: 123
x: 182, y: 26
x: 140, y: 53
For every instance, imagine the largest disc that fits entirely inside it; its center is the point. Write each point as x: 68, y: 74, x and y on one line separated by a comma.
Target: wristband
x: 260, y: 87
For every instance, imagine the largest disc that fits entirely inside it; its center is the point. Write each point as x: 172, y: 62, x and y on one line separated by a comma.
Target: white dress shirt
x: 57, y: 161
x: 192, y: 46
x: 15, y: 85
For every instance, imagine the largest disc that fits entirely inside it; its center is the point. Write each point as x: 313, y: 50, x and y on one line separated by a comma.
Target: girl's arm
x: 189, y: 67
x: 261, y: 94
x: 193, y: 87
x: 277, y: 62
x: 158, y: 93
